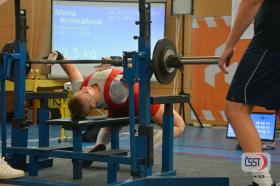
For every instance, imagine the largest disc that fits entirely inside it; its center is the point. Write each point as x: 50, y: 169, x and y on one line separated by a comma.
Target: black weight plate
x: 163, y: 48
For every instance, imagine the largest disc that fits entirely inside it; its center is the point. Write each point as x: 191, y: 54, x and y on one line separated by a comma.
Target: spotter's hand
x: 224, y: 59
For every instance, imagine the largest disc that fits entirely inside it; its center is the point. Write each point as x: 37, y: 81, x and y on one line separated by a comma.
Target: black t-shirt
x: 267, y: 26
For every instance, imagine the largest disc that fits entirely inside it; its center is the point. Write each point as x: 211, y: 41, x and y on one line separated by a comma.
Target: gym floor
x: 200, y: 152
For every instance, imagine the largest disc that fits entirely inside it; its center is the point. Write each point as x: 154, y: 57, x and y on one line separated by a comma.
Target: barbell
x: 165, y: 61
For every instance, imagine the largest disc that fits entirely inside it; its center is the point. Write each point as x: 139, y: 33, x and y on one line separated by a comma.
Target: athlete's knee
x: 182, y: 128
x: 235, y: 110
x: 180, y: 125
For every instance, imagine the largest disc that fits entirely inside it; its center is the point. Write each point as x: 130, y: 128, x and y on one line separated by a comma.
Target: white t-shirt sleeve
x: 76, y: 85
x: 118, y: 91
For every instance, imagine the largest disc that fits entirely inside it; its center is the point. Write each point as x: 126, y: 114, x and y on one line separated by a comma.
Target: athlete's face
x: 86, y: 91
x: 86, y: 94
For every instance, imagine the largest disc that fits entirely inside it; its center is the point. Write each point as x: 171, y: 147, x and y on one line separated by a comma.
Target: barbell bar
x: 165, y: 61
x: 184, y: 60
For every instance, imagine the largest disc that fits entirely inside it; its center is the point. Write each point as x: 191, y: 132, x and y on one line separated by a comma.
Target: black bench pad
x: 46, y: 95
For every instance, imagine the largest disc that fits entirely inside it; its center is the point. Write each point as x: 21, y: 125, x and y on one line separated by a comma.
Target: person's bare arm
x: 71, y: 70
x: 246, y: 13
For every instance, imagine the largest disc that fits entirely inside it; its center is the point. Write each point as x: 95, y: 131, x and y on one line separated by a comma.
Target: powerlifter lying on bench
x: 104, y: 89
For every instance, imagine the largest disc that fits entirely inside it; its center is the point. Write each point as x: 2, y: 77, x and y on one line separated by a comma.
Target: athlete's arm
x: 71, y: 70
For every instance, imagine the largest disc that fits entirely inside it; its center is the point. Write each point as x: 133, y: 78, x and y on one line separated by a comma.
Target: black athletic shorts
x: 257, y: 79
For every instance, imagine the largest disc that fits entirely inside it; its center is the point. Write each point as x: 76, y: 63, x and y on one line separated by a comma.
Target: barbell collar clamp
x: 174, y: 61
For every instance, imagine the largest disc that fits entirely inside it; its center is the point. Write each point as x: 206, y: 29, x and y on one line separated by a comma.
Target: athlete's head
x: 82, y: 102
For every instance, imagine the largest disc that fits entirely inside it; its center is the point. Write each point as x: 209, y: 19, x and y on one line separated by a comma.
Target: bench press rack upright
x: 140, y: 159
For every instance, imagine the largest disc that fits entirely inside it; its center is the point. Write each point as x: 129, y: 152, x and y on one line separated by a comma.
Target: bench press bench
x: 112, y: 157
